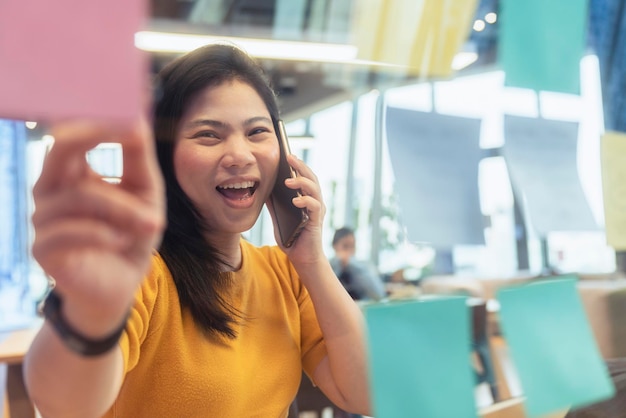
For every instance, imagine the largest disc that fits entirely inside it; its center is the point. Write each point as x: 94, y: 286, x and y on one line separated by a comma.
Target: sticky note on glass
x: 613, y: 157
x: 71, y: 58
x: 419, y: 359
x: 541, y: 43
x: 552, y: 346
x: 432, y: 33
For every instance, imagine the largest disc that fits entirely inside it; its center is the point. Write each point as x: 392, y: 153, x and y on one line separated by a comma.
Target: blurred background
x: 456, y: 138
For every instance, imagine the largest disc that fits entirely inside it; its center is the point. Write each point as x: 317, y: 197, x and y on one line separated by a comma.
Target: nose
x: 238, y: 151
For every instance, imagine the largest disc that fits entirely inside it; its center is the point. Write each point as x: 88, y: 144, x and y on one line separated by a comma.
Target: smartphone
x: 290, y: 220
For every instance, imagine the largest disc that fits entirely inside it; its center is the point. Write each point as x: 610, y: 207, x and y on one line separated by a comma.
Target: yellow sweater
x: 173, y: 370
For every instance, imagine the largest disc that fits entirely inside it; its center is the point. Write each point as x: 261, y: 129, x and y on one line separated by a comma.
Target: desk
x: 513, y: 408
x: 482, y: 287
x: 605, y: 305
x: 12, y: 351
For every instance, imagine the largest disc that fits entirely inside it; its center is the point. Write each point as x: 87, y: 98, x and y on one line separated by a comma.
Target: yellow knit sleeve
x: 312, y: 345
x: 137, y: 327
x: 312, y: 342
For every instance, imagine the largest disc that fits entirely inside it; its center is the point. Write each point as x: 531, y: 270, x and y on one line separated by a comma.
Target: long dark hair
x: 196, y: 265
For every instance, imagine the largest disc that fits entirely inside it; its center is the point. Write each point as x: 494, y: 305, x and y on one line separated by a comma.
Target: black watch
x: 73, y: 339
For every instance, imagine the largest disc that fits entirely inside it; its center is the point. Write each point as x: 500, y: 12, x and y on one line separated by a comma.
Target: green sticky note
x: 419, y: 358
x: 541, y: 43
x: 552, y: 346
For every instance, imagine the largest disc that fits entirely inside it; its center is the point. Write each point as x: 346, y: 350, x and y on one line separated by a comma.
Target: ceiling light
x: 491, y: 17
x: 260, y: 48
x: 479, y: 25
x: 274, y: 49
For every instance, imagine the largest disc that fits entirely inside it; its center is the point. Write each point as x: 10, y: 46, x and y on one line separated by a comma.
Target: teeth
x: 243, y: 185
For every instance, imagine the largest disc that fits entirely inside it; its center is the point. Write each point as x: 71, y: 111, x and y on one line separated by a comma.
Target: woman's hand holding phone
x: 308, y: 248
x: 288, y: 219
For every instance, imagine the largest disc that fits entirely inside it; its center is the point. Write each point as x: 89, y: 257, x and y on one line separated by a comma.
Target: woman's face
x: 226, y: 155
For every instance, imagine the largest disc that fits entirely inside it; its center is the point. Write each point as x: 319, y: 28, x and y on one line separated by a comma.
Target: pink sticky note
x: 71, y: 58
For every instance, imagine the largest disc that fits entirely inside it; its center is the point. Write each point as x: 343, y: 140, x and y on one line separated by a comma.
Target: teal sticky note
x: 419, y: 358
x: 541, y: 43
x: 552, y: 346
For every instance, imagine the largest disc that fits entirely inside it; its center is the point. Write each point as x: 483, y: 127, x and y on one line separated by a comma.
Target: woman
x: 218, y: 327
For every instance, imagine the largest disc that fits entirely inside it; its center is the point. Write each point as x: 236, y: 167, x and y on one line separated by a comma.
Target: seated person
x: 361, y: 279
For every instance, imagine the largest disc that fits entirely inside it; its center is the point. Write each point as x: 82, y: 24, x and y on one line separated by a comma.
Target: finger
x: 64, y: 250
x: 61, y: 237
x: 306, y: 186
x: 141, y: 171
x: 306, y: 181
x: 66, y: 160
x: 312, y: 205
x: 97, y: 200
x: 310, y: 197
x: 301, y: 167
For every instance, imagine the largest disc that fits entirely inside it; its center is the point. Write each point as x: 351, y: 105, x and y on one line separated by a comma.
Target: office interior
x: 502, y: 184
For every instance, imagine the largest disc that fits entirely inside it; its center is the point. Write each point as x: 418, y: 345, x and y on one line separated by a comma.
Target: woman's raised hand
x: 94, y: 238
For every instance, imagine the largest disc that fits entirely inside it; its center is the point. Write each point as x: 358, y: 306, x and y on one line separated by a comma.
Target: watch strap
x: 73, y: 339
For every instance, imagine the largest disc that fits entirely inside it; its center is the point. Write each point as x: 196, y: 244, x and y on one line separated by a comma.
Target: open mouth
x: 238, y: 191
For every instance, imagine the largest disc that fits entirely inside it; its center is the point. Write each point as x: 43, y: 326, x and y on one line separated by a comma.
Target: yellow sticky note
x: 613, y: 157
x: 420, y: 37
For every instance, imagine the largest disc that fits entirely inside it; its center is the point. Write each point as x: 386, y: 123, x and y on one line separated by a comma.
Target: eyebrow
x: 219, y: 124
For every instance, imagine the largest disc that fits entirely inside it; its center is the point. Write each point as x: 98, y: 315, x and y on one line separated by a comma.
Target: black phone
x: 290, y: 220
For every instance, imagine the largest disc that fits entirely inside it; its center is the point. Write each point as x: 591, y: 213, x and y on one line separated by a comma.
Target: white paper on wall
x: 541, y: 157
x: 435, y: 161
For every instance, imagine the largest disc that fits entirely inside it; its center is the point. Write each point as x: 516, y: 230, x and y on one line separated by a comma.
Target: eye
x: 259, y: 133
x: 205, y: 134
x: 206, y: 137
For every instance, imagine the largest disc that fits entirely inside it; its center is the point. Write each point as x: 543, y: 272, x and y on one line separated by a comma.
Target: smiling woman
x: 177, y: 320
x: 227, y: 140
